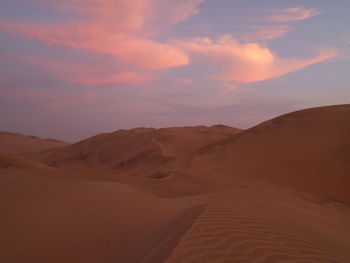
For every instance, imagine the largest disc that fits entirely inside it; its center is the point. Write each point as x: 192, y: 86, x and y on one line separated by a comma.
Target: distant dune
x: 12, y: 161
x: 138, y: 149
x: 306, y: 150
x: 19, y: 143
x: 277, y: 192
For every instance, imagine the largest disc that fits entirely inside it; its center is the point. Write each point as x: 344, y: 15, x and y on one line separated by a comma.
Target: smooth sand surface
x: 53, y: 220
x: 49, y: 218
x: 278, y: 192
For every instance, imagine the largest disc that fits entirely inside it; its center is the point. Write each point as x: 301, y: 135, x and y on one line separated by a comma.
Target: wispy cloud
x: 291, y: 14
x: 266, y: 33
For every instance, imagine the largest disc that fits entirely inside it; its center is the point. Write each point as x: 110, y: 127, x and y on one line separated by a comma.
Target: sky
x: 70, y: 69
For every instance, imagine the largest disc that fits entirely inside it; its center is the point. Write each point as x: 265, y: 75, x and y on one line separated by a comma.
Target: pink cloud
x: 244, y: 63
x: 122, y: 29
x: 136, y: 51
x: 291, y: 14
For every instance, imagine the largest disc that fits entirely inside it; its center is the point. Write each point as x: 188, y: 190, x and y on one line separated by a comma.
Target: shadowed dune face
x: 18, y: 143
x: 307, y: 150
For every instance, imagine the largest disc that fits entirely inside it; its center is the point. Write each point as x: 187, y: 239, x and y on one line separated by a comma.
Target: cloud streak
x: 291, y: 14
x: 267, y: 33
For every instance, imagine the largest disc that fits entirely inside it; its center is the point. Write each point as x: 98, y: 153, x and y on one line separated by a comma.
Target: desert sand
x: 277, y: 192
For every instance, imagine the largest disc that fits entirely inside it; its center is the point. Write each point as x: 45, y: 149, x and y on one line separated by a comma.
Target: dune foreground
x: 277, y: 192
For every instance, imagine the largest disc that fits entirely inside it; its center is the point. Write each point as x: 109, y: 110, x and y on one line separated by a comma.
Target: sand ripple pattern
x: 226, y: 234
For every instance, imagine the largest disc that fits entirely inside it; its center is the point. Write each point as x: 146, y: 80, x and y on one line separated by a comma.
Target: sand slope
x: 19, y: 143
x: 307, y: 150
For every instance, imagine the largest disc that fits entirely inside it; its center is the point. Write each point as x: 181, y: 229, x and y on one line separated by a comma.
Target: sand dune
x: 277, y: 192
x: 19, y: 143
x: 307, y: 150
